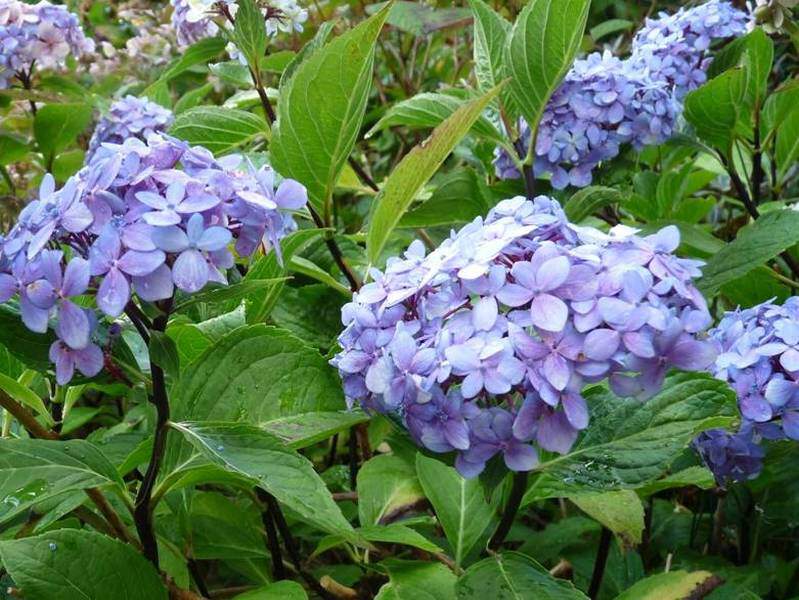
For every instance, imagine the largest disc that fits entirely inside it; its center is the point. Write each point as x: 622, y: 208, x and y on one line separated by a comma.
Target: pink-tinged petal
x: 104, y: 251
x: 214, y: 238
x: 139, y: 236
x: 790, y: 424
x: 576, y: 410
x: 161, y: 218
x: 113, y: 293
x: 556, y: 434
x: 197, y: 203
x: 549, y: 313
x: 462, y: 357
x: 781, y: 391
x: 73, y: 325
x: 89, y: 360
x: 8, y: 287
x: 155, y: 286
x: 291, y: 195
x: 556, y: 371
x: 472, y: 385
x: 35, y: 318
x: 553, y: 273
x: 64, y: 362
x: 485, y: 314
x: 639, y: 343
x: 152, y: 200
x: 190, y: 271
x: 76, y: 277
x: 514, y: 295
x: 77, y: 218
x: 41, y: 293
x: 790, y: 359
x: 520, y: 457
x: 524, y: 273
x: 601, y: 344
x: 257, y: 199
x: 140, y: 264
x: 170, y: 239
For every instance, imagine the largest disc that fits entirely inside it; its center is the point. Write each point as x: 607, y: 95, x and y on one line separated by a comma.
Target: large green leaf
x: 259, y: 373
x: 386, y: 484
x: 756, y: 244
x: 460, y: 504
x: 429, y: 110
x: 273, y: 266
x: 28, y: 347
x: 714, y: 109
x: 196, y: 54
x: 416, y: 168
x: 417, y: 580
x: 57, y: 125
x: 632, y: 443
x: 267, y: 462
x: 620, y: 511
x: 490, y: 36
x: 420, y: 19
x: 513, y: 576
x: 321, y: 108
x: 33, y: 470
x: 674, y: 585
x: 218, y: 129
x: 461, y: 196
x: 587, y: 201
x: 249, y: 33
x: 279, y: 590
x: 540, y: 50
x: 300, y: 431
x: 24, y: 396
x: 70, y: 564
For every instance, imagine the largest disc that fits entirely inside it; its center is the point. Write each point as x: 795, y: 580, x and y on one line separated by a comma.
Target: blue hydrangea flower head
x: 483, y: 346
x: 130, y: 117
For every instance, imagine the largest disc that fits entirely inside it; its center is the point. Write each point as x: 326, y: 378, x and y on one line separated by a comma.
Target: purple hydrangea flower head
x: 731, y: 456
x: 142, y: 219
x: 42, y: 33
x: 130, y: 117
x: 483, y: 345
x: 605, y: 103
x: 758, y: 355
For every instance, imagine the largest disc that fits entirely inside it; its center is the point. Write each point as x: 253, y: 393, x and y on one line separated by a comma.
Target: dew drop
x: 53, y: 547
x: 220, y: 448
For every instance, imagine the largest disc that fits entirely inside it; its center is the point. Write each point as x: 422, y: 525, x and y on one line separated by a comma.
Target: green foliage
x: 218, y: 129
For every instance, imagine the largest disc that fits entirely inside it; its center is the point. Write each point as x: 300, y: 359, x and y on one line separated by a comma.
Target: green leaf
x: 610, y: 27
x: 192, y: 98
x: 490, y: 36
x: 386, y: 483
x: 417, y: 580
x: 57, y: 125
x: 461, y: 196
x: 541, y: 49
x: 12, y: 148
x: 279, y: 590
x: 249, y: 33
x: 632, y: 443
x: 787, y: 144
x: 393, y: 533
x: 620, y: 511
x: 460, y: 504
x: 429, y: 110
x: 216, y: 294
x: 420, y: 19
x: 300, y: 431
x: 164, y: 353
x: 321, y: 108
x: 513, y: 576
x: 232, y: 72
x: 758, y: 285
x: 779, y: 106
x: 218, y: 129
x: 267, y: 462
x: 674, y: 585
x: 33, y: 470
x: 697, y: 476
x: 258, y: 372
x: 714, y: 108
x: 587, y: 201
x: 756, y: 244
x: 24, y: 396
x: 303, y: 266
x: 28, y: 347
x: 273, y: 266
x: 71, y: 564
x: 199, y: 53
x: 753, y: 52
x: 415, y: 169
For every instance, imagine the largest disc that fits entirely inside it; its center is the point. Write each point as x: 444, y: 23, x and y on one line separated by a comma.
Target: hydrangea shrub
x: 348, y: 300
